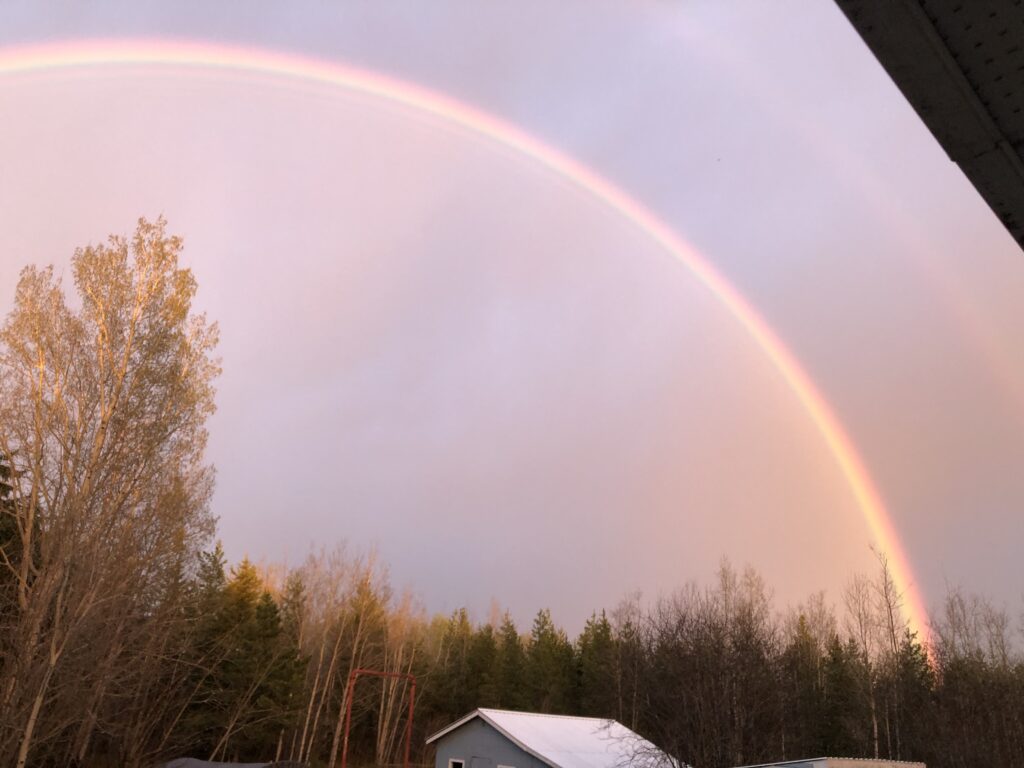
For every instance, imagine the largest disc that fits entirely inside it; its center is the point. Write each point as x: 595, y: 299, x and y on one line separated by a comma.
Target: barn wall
x: 477, y: 739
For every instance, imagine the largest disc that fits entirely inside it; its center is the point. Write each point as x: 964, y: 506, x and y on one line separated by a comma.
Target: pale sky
x: 435, y: 347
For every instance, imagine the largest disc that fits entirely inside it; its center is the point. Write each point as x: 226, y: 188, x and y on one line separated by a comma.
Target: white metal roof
x: 840, y: 762
x: 570, y: 742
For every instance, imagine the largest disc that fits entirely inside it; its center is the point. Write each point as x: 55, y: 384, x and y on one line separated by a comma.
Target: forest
x: 126, y: 639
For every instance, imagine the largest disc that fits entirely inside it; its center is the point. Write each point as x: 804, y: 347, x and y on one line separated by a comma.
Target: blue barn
x: 495, y: 738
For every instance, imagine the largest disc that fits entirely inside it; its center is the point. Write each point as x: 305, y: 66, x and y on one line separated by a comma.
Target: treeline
x: 126, y: 639
x: 714, y: 675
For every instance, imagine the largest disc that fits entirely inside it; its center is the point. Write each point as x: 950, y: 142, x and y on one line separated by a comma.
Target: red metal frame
x: 350, y: 689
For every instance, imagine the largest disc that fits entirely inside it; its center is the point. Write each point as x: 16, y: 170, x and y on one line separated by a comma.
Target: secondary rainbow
x: 205, y: 56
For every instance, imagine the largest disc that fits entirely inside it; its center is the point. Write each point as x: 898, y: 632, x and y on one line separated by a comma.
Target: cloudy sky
x: 434, y: 346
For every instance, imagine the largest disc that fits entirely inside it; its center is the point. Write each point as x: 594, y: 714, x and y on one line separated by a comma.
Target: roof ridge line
x: 548, y: 714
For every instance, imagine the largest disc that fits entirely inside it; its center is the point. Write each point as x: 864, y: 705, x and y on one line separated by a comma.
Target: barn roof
x: 562, y: 741
x: 840, y: 762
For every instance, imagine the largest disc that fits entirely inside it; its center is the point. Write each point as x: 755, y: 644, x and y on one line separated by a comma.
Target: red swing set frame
x: 350, y: 689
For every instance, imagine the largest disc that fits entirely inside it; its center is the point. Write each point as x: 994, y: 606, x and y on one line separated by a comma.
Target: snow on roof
x: 850, y: 762
x: 191, y: 762
x: 562, y: 741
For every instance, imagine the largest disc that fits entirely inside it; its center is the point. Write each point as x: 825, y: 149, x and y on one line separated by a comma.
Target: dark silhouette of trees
x: 596, y: 655
x: 550, y: 668
x: 511, y: 672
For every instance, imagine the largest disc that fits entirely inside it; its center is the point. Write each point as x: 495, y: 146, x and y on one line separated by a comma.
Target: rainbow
x: 191, y: 55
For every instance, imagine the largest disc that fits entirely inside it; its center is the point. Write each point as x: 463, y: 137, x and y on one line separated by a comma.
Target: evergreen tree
x: 511, y: 667
x: 211, y: 578
x: 481, y: 665
x: 596, y: 659
x: 844, y: 716
x: 210, y: 650
x: 803, y: 694
x: 915, y: 684
x: 550, y: 667
x: 248, y: 669
x: 277, y: 675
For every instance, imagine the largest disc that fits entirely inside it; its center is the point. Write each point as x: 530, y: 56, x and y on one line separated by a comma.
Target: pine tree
x: 803, y: 693
x: 844, y: 717
x: 915, y: 683
x: 279, y: 670
x: 481, y: 663
x: 248, y: 668
x: 210, y: 649
x: 596, y: 659
x: 511, y: 667
x: 211, y: 578
x: 261, y: 670
x: 550, y: 667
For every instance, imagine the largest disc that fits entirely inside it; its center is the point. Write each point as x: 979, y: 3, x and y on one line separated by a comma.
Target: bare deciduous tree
x: 102, y: 413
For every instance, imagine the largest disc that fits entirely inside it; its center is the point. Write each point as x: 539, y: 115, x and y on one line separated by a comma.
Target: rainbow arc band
x: 203, y: 56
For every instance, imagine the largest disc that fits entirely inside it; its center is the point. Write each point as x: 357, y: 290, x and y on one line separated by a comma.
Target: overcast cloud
x: 435, y: 347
